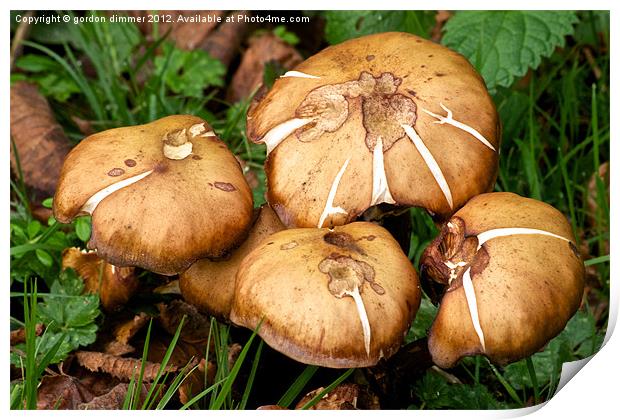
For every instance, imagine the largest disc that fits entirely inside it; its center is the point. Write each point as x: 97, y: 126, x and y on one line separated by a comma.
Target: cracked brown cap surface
x: 524, y: 273
x: 341, y: 298
x: 161, y: 195
x: 210, y: 285
x: 386, y: 118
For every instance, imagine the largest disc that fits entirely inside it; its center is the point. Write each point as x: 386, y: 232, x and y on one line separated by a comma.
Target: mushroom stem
x: 495, y: 233
x: 380, y: 188
x: 361, y: 310
x: 329, y: 204
x: 449, y: 120
x: 276, y: 135
x: 294, y: 73
x: 91, y: 204
x: 430, y: 162
x: 472, y: 305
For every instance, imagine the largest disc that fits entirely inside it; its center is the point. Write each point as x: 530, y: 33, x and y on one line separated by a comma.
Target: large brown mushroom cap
x: 183, y: 194
x: 513, y: 279
x: 385, y: 118
x: 210, y: 285
x: 335, y: 298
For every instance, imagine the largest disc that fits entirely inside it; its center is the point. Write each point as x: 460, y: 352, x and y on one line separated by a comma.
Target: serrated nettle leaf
x: 347, y: 24
x: 503, y: 45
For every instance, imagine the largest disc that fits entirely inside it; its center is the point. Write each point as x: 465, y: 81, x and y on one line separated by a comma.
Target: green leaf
x: 47, y: 203
x: 189, y: 73
x: 578, y: 337
x: 82, y: 228
x: 289, y: 37
x: 67, y: 311
x: 52, y: 79
x: 34, y: 227
x: 272, y: 70
x: 435, y: 393
x: 347, y: 24
x: 45, y: 258
x: 423, y: 320
x: 503, y: 45
x: 36, y: 63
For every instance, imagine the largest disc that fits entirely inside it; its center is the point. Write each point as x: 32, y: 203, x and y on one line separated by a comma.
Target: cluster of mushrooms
x: 382, y: 121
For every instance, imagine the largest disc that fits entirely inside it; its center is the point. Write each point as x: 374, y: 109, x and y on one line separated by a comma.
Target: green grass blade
x: 250, y: 382
x: 227, y: 386
x: 598, y: 260
x: 511, y: 391
x: 532, y: 371
x: 327, y: 389
x: 296, y: 387
x: 199, y: 396
x: 164, y: 363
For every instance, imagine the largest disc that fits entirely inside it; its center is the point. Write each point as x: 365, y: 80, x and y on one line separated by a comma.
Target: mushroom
x: 115, y: 285
x: 511, y: 278
x: 336, y: 298
x: 162, y: 195
x: 210, y: 285
x: 386, y: 118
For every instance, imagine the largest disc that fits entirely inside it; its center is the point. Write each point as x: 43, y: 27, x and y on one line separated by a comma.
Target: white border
x: 593, y: 391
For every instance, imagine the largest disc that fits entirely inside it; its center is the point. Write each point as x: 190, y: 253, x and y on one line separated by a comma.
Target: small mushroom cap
x: 528, y: 281
x: 115, y: 285
x: 183, y: 194
x: 210, y: 285
x: 301, y: 283
x: 336, y: 107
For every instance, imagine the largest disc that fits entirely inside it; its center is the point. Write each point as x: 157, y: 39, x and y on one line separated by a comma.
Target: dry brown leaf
x: 224, y: 42
x: 248, y: 173
x: 195, y: 327
x: 343, y: 397
x: 61, y: 392
x: 40, y: 213
x: 262, y: 49
x: 112, y: 400
x: 593, y: 207
x: 170, y: 288
x: 125, y: 331
x: 271, y: 407
x: 19, y: 335
x: 115, y: 285
x: 441, y: 18
x: 195, y: 382
x: 85, y: 127
x: 40, y: 141
x: 186, y: 35
x: 120, y: 367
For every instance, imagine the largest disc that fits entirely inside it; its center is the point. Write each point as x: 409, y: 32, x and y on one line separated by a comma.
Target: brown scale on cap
x: 386, y: 118
x: 383, y: 109
x: 331, y: 299
x: 447, y: 258
x: 159, y: 193
x: 507, y: 276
